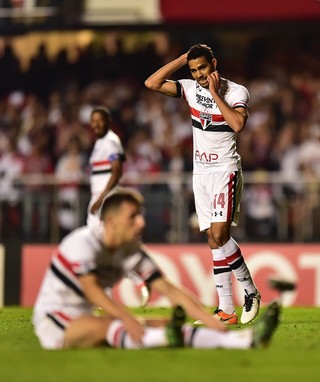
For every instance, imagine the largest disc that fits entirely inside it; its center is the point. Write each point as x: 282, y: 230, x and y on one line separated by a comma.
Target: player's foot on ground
x: 266, y: 325
x: 251, y: 307
x: 174, y: 327
x: 229, y: 319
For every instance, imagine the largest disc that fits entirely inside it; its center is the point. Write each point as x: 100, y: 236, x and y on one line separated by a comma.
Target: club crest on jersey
x: 205, y: 119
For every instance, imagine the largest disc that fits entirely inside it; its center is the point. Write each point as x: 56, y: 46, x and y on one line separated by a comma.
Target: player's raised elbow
x: 165, y: 87
x: 238, y: 127
x: 239, y: 121
x: 152, y: 85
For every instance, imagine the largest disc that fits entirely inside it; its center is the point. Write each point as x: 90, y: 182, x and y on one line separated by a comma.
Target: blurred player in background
x: 106, y: 162
x: 87, y: 261
x: 219, y: 110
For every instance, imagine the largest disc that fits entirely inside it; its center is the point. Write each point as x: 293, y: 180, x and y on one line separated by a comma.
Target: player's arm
x: 182, y: 296
x: 116, y: 173
x: 236, y: 118
x: 159, y: 82
x: 97, y: 297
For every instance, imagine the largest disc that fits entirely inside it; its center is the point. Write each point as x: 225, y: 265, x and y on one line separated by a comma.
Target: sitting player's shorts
x: 217, y: 197
x: 50, y: 335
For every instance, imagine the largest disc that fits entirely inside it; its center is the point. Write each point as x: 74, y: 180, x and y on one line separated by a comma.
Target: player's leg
x: 176, y: 334
x: 257, y: 336
x: 241, y: 271
x: 206, y: 338
x: 226, y: 206
x: 88, y: 331
x: 223, y: 280
x: 204, y: 196
x: 57, y: 330
x: 232, y: 258
x: 158, y: 332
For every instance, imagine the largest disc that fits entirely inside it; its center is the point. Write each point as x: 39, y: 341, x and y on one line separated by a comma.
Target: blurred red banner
x: 208, y: 11
x: 191, y: 265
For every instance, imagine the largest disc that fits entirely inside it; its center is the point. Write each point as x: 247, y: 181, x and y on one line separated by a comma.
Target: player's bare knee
x: 220, y: 239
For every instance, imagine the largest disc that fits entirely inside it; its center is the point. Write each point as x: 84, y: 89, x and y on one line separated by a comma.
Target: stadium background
x: 57, y: 59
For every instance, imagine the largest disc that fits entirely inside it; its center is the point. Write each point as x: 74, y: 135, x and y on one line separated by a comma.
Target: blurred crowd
x: 45, y: 110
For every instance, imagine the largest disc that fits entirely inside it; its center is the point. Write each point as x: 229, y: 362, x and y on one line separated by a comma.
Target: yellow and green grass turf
x: 293, y: 355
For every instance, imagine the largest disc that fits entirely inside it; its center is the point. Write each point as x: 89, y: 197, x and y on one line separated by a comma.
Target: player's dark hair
x: 115, y: 198
x: 200, y: 50
x: 104, y: 111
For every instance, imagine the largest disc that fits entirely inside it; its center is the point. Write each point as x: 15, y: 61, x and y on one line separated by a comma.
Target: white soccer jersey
x: 61, y: 296
x: 105, y: 150
x: 214, y: 142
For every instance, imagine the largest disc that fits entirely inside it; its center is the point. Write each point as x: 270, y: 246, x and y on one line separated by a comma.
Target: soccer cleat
x: 174, y: 327
x: 251, y: 307
x: 230, y: 319
x: 265, y: 327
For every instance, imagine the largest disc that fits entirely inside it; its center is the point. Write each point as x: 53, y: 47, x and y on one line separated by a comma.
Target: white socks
x: 205, y: 338
x: 227, y: 259
x: 195, y: 337
x: 239, y: 268
x: 222, y: 276
x: 118, y: 337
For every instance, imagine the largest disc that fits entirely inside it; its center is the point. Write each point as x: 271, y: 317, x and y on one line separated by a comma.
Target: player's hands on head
x: 184, y: 57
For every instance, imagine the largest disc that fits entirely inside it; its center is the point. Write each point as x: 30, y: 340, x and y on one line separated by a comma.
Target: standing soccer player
x: 219, y: 110
x: 106, y: 162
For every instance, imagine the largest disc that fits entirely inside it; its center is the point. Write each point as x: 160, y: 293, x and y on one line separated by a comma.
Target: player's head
x: 100, y: 121
x: 121, y: 213
x: 200, y: 50
x: 201, y: 63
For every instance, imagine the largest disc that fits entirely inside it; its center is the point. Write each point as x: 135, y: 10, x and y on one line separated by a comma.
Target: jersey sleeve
x: 117, y: 156
x: 147, y: 267
x: 183, y: 87
x: 240, y: 97
x: 78, y: 255
x: 116, y: 151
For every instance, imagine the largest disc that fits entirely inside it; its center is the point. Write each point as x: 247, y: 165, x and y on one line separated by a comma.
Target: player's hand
x: 95, y: 207
x: 184, y: 57
x: 214, y: 82
x: 134, y: 328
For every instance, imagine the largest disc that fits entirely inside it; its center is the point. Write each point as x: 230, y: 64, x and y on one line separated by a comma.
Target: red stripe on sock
x: 235, y: 256
x: 220, y: 263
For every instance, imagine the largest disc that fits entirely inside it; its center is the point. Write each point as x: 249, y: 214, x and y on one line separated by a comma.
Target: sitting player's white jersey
x: 61, y: 296
x: 105, y: 150
x: 214, y: 142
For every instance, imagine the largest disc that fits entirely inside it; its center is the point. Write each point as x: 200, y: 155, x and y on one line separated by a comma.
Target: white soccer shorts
x: 217, y: 197
x: 50, y: 336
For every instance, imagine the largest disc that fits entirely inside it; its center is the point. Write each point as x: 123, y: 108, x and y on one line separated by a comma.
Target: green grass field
x: 294, y: 354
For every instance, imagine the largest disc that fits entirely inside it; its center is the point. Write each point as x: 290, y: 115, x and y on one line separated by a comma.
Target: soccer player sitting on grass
x: 87, y: 261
